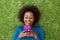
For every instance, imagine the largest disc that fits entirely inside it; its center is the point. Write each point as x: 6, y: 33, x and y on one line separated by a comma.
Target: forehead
x: 29, y: 14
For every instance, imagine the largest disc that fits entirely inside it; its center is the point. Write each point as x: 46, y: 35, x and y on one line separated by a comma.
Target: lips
x: 28, y: 22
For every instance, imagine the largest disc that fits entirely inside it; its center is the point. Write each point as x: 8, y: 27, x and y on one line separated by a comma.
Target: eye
x: 31, y: 18
x: 25, y: 17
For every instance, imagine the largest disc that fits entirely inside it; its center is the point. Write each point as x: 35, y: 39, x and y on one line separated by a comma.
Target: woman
x: 28, y: 15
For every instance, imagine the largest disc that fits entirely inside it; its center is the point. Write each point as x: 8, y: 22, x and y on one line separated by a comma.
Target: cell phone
x: 27, y: 28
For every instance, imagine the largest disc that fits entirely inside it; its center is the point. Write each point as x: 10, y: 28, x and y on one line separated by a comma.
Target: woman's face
x: 28, y: 18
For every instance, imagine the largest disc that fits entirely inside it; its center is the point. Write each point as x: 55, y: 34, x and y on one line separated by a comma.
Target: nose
x: 28, y: 19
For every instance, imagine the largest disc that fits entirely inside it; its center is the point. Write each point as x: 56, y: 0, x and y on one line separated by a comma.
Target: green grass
x: 50, y: 21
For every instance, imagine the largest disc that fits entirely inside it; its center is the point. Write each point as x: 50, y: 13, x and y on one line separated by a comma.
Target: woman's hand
x: 31, y: 33
x: 22, y: 34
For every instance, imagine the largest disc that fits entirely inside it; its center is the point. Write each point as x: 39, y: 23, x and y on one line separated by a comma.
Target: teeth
x: 28, y: 22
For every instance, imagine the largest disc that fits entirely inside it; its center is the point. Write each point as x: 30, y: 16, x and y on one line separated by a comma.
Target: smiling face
x: 28, y: 18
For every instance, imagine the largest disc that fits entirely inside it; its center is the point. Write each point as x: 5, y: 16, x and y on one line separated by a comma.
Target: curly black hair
x: 31, y: 8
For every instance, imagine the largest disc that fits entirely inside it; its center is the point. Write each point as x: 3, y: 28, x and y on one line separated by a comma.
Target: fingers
x: 21, y: 34
x: 31, y: 33
x: 27, y: 33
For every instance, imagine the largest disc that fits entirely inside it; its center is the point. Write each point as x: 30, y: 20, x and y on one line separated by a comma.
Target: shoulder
x: 37, y: 27
x: 19, y: 28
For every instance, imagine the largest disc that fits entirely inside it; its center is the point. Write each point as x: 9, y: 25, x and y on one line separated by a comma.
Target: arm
x: 16, y: 32
x: 40, y: 34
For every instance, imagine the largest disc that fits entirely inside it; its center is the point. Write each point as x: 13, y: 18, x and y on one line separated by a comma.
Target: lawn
x: 50, y: 21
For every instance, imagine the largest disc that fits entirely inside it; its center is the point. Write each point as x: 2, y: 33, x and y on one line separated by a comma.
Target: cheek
x: 32, y: 20
x: 24, y: 19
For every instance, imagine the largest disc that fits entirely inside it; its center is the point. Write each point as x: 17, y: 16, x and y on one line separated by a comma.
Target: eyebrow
x: 31, y: 15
